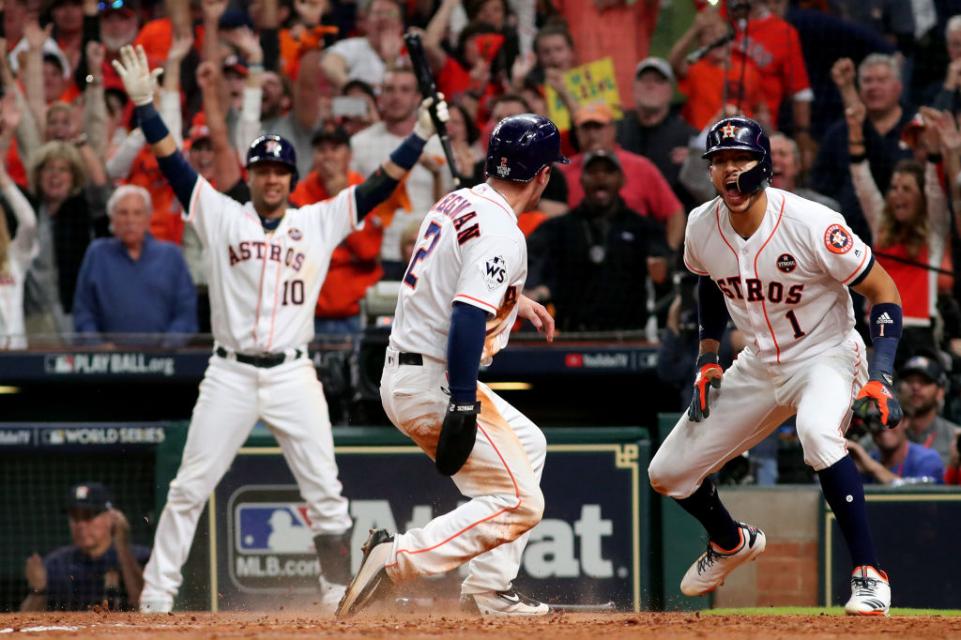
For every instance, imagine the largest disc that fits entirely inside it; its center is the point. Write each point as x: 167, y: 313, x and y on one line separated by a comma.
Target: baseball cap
x: 234, y: 19
x: 601, y: 155
x: 927, y: 365
x: 236, y: 64
x: 88, y: 496
x: 657, y: 64
x: 332, y: 134
x: 597, y: 112
x: 129, y: 7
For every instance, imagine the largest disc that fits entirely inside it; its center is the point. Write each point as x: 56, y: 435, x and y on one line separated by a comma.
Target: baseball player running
x: 781, y: 266
x: 268, y: 263
x: 461, y: 295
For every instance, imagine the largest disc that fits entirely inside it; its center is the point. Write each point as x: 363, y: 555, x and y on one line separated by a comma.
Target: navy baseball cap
x: 602, y: 155
x: 925, y: 364
x: 89, y: 496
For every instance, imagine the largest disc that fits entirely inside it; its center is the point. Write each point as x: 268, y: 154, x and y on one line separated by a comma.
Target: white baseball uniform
x: 263, y: 285
x: 20, y: 253
x: 786, y: 289
x: 470, y: 250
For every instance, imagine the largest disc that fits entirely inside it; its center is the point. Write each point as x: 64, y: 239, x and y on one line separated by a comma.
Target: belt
x: 413, y: 359
x: 264, y: 361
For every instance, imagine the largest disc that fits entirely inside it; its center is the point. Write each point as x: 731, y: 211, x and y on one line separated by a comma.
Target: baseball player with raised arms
x: 780, y: 266
x: 268, y: 263
x: 460, y: 298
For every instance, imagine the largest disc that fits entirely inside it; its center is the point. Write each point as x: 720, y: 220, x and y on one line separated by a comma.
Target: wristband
x: 885, y: 327
x: 856, y: 158
x: 935, y: 158
x: 708, y: 357
x: 255, y: 68
x: 408, y: 153
x: 38, y: 592
x: 152, y: 125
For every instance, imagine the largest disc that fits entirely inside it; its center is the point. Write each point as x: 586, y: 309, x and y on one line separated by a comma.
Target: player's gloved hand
x: 709, y: 374
x: 424, y: 128
x: 134, y: 70
x: 876, y: 399
x: 457, y: 436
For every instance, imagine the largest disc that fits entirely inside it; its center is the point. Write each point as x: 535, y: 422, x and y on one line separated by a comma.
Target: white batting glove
x: 134, y: 70
x: 424, y: 128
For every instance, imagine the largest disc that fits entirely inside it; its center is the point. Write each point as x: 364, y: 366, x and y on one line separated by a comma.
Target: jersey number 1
x: 798, y: 332
x: 431, y: 236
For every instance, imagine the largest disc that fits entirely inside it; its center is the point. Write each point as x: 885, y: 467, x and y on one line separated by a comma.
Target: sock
x: 842, y: 487
x: 705, y: 505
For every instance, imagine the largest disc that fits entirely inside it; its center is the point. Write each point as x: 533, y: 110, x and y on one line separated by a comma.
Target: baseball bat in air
x: 425, y: 81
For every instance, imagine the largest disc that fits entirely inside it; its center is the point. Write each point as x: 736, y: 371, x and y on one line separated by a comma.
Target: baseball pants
x: 754, y: 399
x: 501, y: 478
x: 290, y: 400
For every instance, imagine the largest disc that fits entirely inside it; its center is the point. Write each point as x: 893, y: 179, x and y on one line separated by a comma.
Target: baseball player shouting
x: 268, y: 264
x: 781, y: 266
x: 461, y: 295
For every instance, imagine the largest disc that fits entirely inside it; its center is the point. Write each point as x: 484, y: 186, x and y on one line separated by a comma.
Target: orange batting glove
x: 709, y: 374
x: 876, y: 398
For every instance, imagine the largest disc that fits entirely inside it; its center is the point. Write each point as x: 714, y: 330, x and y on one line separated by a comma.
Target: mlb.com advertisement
x: 587, y: 549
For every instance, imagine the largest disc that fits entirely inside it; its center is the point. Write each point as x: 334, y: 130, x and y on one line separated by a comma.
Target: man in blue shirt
x: 897, y: 460
x: 101, y: 564
x: 132, y: 283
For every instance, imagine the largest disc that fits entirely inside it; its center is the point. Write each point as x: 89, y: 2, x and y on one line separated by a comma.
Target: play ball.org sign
x: 271, y: 543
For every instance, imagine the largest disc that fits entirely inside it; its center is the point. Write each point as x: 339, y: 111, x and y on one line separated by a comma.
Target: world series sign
x: 588, y: 548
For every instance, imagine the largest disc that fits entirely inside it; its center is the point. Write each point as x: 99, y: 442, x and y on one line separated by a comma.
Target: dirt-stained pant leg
x: 293, y: 406
x: 225, y: 412
x: 743, y: 412
x: 494, y: 570
x: 506, y: 499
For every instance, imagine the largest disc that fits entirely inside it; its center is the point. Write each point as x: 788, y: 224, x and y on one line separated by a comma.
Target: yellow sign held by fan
x: 588, y: 83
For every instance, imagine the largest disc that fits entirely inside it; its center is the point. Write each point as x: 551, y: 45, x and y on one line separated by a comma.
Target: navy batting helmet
x: 275, y: 149
x: 520, y: 146
x: 743, y: 134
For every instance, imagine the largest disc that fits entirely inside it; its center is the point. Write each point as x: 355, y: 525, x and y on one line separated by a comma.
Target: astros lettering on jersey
x: 479, y: 258
x: 786, y: 286
x: 264, y: 283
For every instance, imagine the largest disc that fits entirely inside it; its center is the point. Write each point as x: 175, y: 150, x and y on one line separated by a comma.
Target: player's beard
x: 740, y: 202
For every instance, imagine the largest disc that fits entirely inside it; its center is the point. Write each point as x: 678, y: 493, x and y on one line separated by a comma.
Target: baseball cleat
x: 870, y: 592
x: 158, y: 605
x: 331, y: 594
x: 371, y: 583
x: 709, y: 571
x: 502, y: 603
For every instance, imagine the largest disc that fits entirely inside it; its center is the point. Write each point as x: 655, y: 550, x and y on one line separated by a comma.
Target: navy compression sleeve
x: 181, y: 176
x: 712, y: 313
x: 465, y: 345
x: 372, y: 191
x: 378, y: 187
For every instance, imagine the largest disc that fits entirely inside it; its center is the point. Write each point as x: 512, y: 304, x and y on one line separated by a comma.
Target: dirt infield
x: 186, y: 626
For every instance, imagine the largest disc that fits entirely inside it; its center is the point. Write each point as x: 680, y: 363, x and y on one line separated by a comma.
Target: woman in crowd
x: 909, y: 225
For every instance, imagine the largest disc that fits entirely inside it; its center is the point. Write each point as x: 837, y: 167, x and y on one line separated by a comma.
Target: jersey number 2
x: 431, y: 236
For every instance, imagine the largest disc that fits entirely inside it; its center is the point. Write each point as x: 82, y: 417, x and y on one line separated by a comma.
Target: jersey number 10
x: 293, y: 292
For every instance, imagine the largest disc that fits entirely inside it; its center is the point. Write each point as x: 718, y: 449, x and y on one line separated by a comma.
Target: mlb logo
x: 273, y: 528
x: 502, y: 169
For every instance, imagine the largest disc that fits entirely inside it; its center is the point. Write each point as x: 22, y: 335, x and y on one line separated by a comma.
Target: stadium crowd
x: 92, y: 241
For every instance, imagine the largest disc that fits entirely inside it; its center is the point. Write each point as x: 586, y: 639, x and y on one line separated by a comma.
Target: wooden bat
x: 425, y: 80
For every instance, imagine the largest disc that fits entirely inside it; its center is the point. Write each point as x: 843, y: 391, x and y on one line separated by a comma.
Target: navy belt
x: 264, y: 361
x: 413, y: 359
